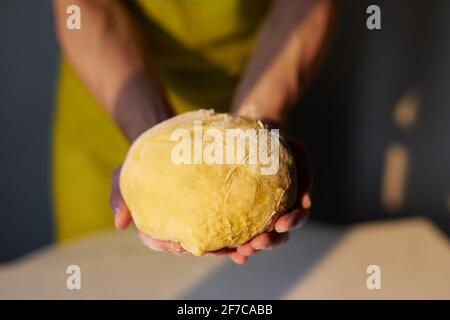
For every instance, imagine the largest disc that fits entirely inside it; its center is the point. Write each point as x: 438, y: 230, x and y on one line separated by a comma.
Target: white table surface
x: 318, y: 262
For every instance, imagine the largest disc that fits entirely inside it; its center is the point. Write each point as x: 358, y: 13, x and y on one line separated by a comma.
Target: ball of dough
x: 204, y: 207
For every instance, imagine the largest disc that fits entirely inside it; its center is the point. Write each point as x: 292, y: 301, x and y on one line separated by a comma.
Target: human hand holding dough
x: 203, y: 207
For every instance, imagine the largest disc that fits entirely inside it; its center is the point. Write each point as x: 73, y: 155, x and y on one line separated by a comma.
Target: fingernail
x: 259, y: 247
x: 240, y: 262
x: 116, y: 223
x: 306, y: 201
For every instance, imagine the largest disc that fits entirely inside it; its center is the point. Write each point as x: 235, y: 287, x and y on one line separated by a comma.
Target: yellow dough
x: 204, y: 207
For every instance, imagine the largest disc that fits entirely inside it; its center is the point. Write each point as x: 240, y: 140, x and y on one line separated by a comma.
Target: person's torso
x: 200, y: 47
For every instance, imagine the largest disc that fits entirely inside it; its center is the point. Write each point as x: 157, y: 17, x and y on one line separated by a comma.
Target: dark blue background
x: 28, y: 64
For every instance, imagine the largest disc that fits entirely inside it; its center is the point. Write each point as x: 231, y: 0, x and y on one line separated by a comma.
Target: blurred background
x: 376, y: 119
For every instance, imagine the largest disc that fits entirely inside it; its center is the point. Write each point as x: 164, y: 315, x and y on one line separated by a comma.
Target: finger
x: 306, y: 201
x: 221, y: 252
x: 290, y: 220
x: 161, y: 245
x: 238, y: 258
x: 115, y: 196
x: 268, y: 240
x: 246, y: 249
x: 123, y: 218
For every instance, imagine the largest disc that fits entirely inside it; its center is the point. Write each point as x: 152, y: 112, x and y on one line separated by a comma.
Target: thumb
x: 122, y: 215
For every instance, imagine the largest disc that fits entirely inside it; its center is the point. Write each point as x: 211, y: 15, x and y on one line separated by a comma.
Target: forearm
x: 109, y: 57
x: 288, y: 51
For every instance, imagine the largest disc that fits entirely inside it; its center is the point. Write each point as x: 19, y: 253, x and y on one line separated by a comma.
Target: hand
x: 122, y: 218
x: 294, y: 218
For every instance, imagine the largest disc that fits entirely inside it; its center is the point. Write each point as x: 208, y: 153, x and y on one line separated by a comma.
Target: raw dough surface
x: 204, y: 207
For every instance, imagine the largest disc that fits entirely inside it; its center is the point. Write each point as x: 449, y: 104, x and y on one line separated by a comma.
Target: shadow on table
x: 269, y: 276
